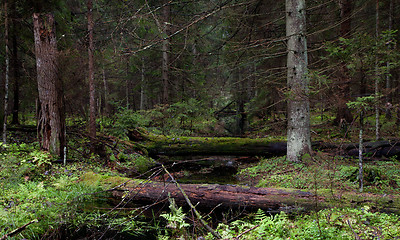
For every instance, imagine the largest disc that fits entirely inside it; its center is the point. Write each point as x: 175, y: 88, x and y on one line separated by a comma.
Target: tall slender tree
x: 92, y: 94
x: 51, y: 118
x: 343, y: 113
x: 388, y: 113
x: 165, y: 51
x: 298, y: 107
x: 7, y: 74
x: 15, y: 63
x: 377, y: 74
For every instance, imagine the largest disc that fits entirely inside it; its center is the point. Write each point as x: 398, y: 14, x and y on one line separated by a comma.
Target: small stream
x: 185, y: 169
x: 206, y: 169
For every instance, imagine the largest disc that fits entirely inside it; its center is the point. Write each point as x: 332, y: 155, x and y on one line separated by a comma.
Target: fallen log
x: 207, y: 146
x: 182, y: 146
x: 224, y: 196
x: 157, y: 145
x: 209, y: 196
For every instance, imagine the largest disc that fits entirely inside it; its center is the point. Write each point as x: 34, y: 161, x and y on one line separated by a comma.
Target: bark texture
x: 343, y: 115
x: 92, y: 102
x: 212, y: 195
x: 299, y: 140
x: 51, y: 119
x: 15, y: 63
x: 165, y: 52
x: 7, y: 73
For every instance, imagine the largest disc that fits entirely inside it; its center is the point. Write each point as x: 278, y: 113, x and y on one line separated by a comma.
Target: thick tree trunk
x: 165, y: 52
x: 299, y: 139
x: 51, y: 119
x: 92, y: 94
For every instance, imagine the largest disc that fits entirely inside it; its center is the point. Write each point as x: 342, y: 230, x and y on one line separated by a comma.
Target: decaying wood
x: 180, y: 146
x: 215, y: 234
x: 211, y: 195
x: 18, y: 230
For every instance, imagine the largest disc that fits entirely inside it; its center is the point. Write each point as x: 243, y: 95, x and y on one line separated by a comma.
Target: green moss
x: 208, y: 145
x: 106, y: 182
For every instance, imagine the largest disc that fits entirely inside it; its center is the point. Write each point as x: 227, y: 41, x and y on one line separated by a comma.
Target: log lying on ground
x: 209, y: 196
x: 224, y: 196
x: 181, y: 146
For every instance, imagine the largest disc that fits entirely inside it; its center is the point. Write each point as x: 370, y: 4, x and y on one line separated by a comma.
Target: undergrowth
x: 323, y: 172
x: 49, y: 197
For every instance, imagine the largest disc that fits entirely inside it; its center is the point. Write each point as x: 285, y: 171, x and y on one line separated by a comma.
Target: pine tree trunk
x: 15, y: 112
x: 51, y: 119
x: 388, y: 109
x: 92, y: 102
x: 360, y: 153
x: 343, y: 114
x: 7, y: 74
x: 377, y: 75
x: 106, y: 106
x: 165, y: 53
x: 298, y: 136
x: 142, y: 86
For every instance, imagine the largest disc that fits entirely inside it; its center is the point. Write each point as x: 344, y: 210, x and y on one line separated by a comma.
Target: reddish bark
x: 212, y: 195
x: 51, y: 119
x: 343, y: 114
x: 92, y: 102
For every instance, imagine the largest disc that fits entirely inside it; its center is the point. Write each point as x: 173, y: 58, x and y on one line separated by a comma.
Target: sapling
x: 362, y: 104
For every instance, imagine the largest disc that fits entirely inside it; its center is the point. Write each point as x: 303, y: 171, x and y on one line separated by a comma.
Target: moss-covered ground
x: 72, y: 201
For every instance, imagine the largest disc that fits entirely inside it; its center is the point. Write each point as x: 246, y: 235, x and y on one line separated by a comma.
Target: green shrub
x: 181, y: 118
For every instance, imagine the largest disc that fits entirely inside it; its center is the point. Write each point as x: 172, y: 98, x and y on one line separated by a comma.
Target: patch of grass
x: 52, y: 204
x: 348, y: 223
x: 323, y: 172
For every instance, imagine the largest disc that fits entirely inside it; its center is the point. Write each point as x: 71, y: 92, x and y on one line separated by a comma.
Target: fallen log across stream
x: 209, y: 196
x: 223, y: 196
x: 157, y: 145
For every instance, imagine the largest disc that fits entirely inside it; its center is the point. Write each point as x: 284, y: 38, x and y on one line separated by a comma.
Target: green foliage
x: 322, y: 172
x: 22, y: 160
x: 325, y: 224
x: 181, y: 118
x: 176, y: 222
x: 139, y: 162
x: 176, y: 218
x: 362, y: 103
x: 380, y: 176
x: 52, y: 204
x: 128, y: 119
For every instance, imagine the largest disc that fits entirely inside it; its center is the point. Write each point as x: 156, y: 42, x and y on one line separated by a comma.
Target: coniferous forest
x: 218, y: 119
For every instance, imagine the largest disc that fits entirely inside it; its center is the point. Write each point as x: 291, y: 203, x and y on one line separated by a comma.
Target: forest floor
x: 36, y: 187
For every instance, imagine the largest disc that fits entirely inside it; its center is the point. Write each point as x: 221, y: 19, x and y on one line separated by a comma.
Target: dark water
x: 205, y: 169
x: 187, y: 169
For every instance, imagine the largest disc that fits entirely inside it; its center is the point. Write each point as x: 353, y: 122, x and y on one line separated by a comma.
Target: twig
x: 355, y: 234
x: 215, y: 234
x: 18, y: 230
x: 248, y: 230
